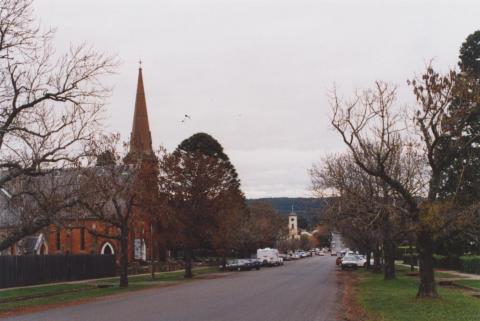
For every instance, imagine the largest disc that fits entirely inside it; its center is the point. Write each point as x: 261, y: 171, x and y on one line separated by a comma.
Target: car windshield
x: 350, y: 258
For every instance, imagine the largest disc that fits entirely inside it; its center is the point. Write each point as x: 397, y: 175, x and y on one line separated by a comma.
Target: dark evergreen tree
x: 203, y: 189
x: 462, y: 177
x: 470, y: 54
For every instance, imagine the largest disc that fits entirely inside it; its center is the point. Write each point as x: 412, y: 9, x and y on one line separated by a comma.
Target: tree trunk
x: 369, y: 256
x: 377, y: 267
x: 427, y: 288
x: 152, y: 251
x: 224, y: 260
x: 188, y: 263
x: 389, y: 248
x: 124, y: 258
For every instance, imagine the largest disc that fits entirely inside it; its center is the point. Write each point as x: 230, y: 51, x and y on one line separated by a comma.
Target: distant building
x: 293, y: 226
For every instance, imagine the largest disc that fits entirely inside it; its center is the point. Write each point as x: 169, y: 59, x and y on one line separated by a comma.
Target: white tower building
x: 293, y: 226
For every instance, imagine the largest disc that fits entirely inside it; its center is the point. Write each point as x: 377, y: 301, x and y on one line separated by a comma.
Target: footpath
x: 460, y: 275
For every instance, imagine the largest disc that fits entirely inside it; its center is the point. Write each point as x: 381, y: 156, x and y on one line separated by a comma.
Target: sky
x: 256, y: 74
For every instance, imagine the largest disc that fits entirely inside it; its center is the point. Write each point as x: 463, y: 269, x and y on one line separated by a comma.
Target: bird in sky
x: 185, y: 118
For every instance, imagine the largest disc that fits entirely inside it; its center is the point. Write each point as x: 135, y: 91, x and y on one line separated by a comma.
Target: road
x: 303, y: 290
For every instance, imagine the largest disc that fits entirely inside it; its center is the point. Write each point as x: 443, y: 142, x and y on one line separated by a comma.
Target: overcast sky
x: 255, y: 73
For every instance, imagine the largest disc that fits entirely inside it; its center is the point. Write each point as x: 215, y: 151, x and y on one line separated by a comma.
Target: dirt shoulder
x: 352, y: 309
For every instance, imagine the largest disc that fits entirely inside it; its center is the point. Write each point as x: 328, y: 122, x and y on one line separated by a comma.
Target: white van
x: 268, y: 256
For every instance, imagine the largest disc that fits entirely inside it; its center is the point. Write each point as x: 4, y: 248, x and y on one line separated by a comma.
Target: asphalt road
x: 303, y: 290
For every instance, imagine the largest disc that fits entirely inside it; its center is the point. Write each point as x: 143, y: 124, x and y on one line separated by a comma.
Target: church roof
x: 140, y: 138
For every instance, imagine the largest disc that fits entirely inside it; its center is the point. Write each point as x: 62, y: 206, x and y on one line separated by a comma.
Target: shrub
x: 448, y: 262
x: 470, y: 264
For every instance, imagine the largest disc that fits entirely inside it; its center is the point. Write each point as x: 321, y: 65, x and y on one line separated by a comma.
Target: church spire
x: 140, y: 138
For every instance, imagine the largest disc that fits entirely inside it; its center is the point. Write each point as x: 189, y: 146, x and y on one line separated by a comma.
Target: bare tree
x: 112, y: 193
x: 374, y: 132
x: 378, y: 135
x: 50, y: 104
x: 363, y: 208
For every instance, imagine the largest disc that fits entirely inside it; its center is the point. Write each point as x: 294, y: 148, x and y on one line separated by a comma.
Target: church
x: 72, y: 236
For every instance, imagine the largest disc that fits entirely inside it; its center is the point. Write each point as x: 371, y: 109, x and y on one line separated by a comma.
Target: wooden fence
x: 39, y: 269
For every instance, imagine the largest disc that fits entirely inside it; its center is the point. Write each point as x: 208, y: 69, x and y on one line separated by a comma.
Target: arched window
x: 107, y: 249
x: 43, y: 249
x: 41, y: 246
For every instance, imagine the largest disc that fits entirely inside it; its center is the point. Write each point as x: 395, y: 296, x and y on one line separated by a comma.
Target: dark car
x: 241, y: 265
x: 253, y: 264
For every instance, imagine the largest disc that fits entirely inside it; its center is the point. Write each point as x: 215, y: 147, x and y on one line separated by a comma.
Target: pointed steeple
x: 140, y: 138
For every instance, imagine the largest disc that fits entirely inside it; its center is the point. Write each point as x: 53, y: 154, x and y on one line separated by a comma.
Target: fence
x: 39, y: 269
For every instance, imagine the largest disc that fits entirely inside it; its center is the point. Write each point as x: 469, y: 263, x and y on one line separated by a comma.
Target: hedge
x: 467, y: 264
x: 471, y: 264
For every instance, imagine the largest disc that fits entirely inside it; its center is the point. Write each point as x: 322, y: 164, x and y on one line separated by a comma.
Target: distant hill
x: 309, y: 210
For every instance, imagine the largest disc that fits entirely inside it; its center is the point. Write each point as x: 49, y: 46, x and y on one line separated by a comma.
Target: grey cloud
x: 272, y: 61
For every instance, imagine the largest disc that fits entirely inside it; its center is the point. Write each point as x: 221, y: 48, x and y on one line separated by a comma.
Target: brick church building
x: 73, y: 236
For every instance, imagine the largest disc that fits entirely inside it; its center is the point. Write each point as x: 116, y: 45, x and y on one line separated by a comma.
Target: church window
x: 82, y: 238
x: 107, y: 249
x: 58, y: 238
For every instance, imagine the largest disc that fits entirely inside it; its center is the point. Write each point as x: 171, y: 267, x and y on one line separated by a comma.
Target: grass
x: 33, y: 297
x: 446, y: 275
x: 471, y: 283
x: 438, y: 274
x: 40, y: 291
x: 395, y: 301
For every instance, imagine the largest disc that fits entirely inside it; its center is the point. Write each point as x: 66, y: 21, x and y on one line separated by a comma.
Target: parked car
x: 285, y: 257
x: 293, y: 256
x: 304, y: 254
x: 253, y: 264
x: 269, y: 257
x: 350, y: 262
x: 230, y: 265
x: 300, y: 254
x: 362, y: 260
x: 241, y: 265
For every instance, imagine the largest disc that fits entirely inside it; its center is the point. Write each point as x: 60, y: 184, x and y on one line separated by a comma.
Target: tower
x: 140, y: 137
x: 141, y: 154
x: 293, y: 226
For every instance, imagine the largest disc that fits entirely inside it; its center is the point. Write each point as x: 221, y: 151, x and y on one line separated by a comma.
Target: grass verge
x: 470, y: 283
x: 35, y: 298
x: 395, y: 301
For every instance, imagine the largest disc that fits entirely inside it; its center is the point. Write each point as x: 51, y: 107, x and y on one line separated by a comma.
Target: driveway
x: 303, y: 290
